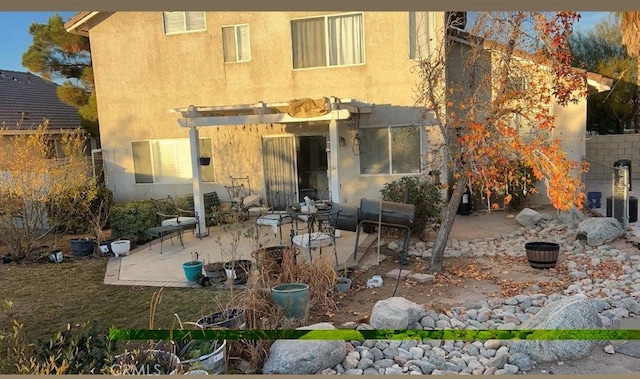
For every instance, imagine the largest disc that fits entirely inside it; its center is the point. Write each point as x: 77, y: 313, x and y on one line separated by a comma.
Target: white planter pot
x: 120, y: 247
x: 56, y: 257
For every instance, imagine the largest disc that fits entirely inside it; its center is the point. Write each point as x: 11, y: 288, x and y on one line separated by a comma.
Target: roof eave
x: 78, y: 23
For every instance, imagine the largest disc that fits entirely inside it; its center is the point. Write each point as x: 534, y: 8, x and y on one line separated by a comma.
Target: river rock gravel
x: 614, y: 298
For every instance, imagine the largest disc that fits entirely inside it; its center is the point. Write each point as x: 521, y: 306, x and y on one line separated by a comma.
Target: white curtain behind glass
x: 172, y: 161
x: 195, y: 20
x: 244, y: 45
x: 346, y: 36
x: 421, y: 34
x: 229, y: 44
x: 173, y: 22
x: 308, y: 40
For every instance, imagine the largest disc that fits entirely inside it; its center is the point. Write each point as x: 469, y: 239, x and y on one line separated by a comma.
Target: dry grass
x: 262, y: 313
x: 47, y: 296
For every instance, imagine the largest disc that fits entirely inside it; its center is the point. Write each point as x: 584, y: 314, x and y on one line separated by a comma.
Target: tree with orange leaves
x: 502, y: 76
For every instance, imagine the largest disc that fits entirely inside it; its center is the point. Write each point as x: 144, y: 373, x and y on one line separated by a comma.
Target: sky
x: 14, y: 27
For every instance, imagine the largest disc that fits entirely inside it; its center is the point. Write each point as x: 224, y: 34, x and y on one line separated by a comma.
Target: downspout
x: 198, y: 198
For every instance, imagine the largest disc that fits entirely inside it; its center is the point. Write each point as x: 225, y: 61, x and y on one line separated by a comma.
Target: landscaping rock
x: 574, y: 312
x: 572, y: 217
x: 421, y: 278
x: 528, y: 217
x: 305, y: 356
x: 395, y: 313
x: 393, y: 274
x: 600, y: 230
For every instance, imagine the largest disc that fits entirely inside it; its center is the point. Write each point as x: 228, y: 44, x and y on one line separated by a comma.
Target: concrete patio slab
x: 146, y: 266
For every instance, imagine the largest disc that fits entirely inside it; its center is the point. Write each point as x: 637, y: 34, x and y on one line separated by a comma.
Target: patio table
x: 163, y: 231
x: 310, y: 239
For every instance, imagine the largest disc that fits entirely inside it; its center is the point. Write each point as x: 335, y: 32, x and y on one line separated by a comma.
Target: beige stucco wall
x: 140, y: 73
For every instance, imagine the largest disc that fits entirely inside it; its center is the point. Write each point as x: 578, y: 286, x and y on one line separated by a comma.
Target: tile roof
x: 23, y: 92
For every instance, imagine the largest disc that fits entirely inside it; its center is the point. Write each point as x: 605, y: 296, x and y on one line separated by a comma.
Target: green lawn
x: 47, y: 296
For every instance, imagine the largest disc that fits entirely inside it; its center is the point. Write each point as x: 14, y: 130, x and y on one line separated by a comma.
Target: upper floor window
x: 235, y: 43
x: 181, y: 22
x: 328, y: 41
x: 421, y: 34
x: 390, y: 150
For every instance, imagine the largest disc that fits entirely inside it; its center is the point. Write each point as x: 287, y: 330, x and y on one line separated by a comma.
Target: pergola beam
x: 272, y: 118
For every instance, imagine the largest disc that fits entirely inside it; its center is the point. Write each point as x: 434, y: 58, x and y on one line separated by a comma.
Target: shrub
x: 420, y: 192
x: 33, y: 183
x: 76, y: 214
x: 133, y: 218
x: 79, y: 350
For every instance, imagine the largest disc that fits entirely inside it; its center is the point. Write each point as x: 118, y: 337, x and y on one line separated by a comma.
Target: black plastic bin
x: 633, y: 208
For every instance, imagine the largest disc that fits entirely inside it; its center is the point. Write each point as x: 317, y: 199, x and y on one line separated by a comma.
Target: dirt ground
x: 472, y: 280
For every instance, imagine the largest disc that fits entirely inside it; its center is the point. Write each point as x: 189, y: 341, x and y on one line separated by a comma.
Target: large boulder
x: 395, y: 313
x: 572, y: 217
x: 574, y: 312
x: 304, y: 356
x: 528, y: 217
x: 600, y: 230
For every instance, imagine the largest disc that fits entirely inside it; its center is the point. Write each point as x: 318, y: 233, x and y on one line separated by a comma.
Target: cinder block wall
x: 605, y: 150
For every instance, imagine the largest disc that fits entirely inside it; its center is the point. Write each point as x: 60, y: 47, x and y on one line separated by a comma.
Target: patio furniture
x: 278, y: 215
x: 325, y: 236
x: 162, y: 232
x: 241, y: 197
x: 214, y: 212
x: 171, y: 215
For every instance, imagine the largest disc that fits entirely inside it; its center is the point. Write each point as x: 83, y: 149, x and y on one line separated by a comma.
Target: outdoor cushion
x: 180, y: 221
x: 250, y: 200
x: 315, y: 239
x: 273, y: 220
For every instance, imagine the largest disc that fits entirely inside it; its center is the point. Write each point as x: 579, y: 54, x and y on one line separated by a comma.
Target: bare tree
x: 493, y: 115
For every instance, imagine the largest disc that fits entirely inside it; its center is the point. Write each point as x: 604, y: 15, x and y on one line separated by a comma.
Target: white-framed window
x: 422, y: 34
x: 168, y: 161
x: 236, y: 45
x: 182, y: 22
x: 390, y: 150
x: 336, y: 40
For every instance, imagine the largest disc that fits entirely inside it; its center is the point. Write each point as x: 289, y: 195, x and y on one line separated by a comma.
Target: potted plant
x: 238, y: 270
x: 215, y: 271
x: 205, y: 160
x: 120, y: 247
x: 56, y: 256
x: 82, y: 247
x: 193, y: 268
x: 343, y: 283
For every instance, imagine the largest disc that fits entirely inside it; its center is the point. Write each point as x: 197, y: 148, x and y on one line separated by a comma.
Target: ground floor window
x: 390, y: 150
x: 168, y: 161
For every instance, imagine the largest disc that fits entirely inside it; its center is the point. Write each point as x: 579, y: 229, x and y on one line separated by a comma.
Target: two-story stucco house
x: 312, y: 103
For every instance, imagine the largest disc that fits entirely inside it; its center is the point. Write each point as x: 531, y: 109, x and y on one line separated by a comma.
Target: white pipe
x: 379, y: 228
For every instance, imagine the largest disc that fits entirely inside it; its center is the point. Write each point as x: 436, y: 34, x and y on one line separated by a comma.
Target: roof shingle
x: 30, y: 98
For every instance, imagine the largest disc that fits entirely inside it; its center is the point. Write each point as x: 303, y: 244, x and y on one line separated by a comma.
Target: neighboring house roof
x: 595, y: 82
x: 27, y: 99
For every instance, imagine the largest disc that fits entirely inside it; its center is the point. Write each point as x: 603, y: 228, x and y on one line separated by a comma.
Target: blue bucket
x: 594, y: 199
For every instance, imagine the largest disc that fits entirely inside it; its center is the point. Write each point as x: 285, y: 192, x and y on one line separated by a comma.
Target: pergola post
x: 198, y: 199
